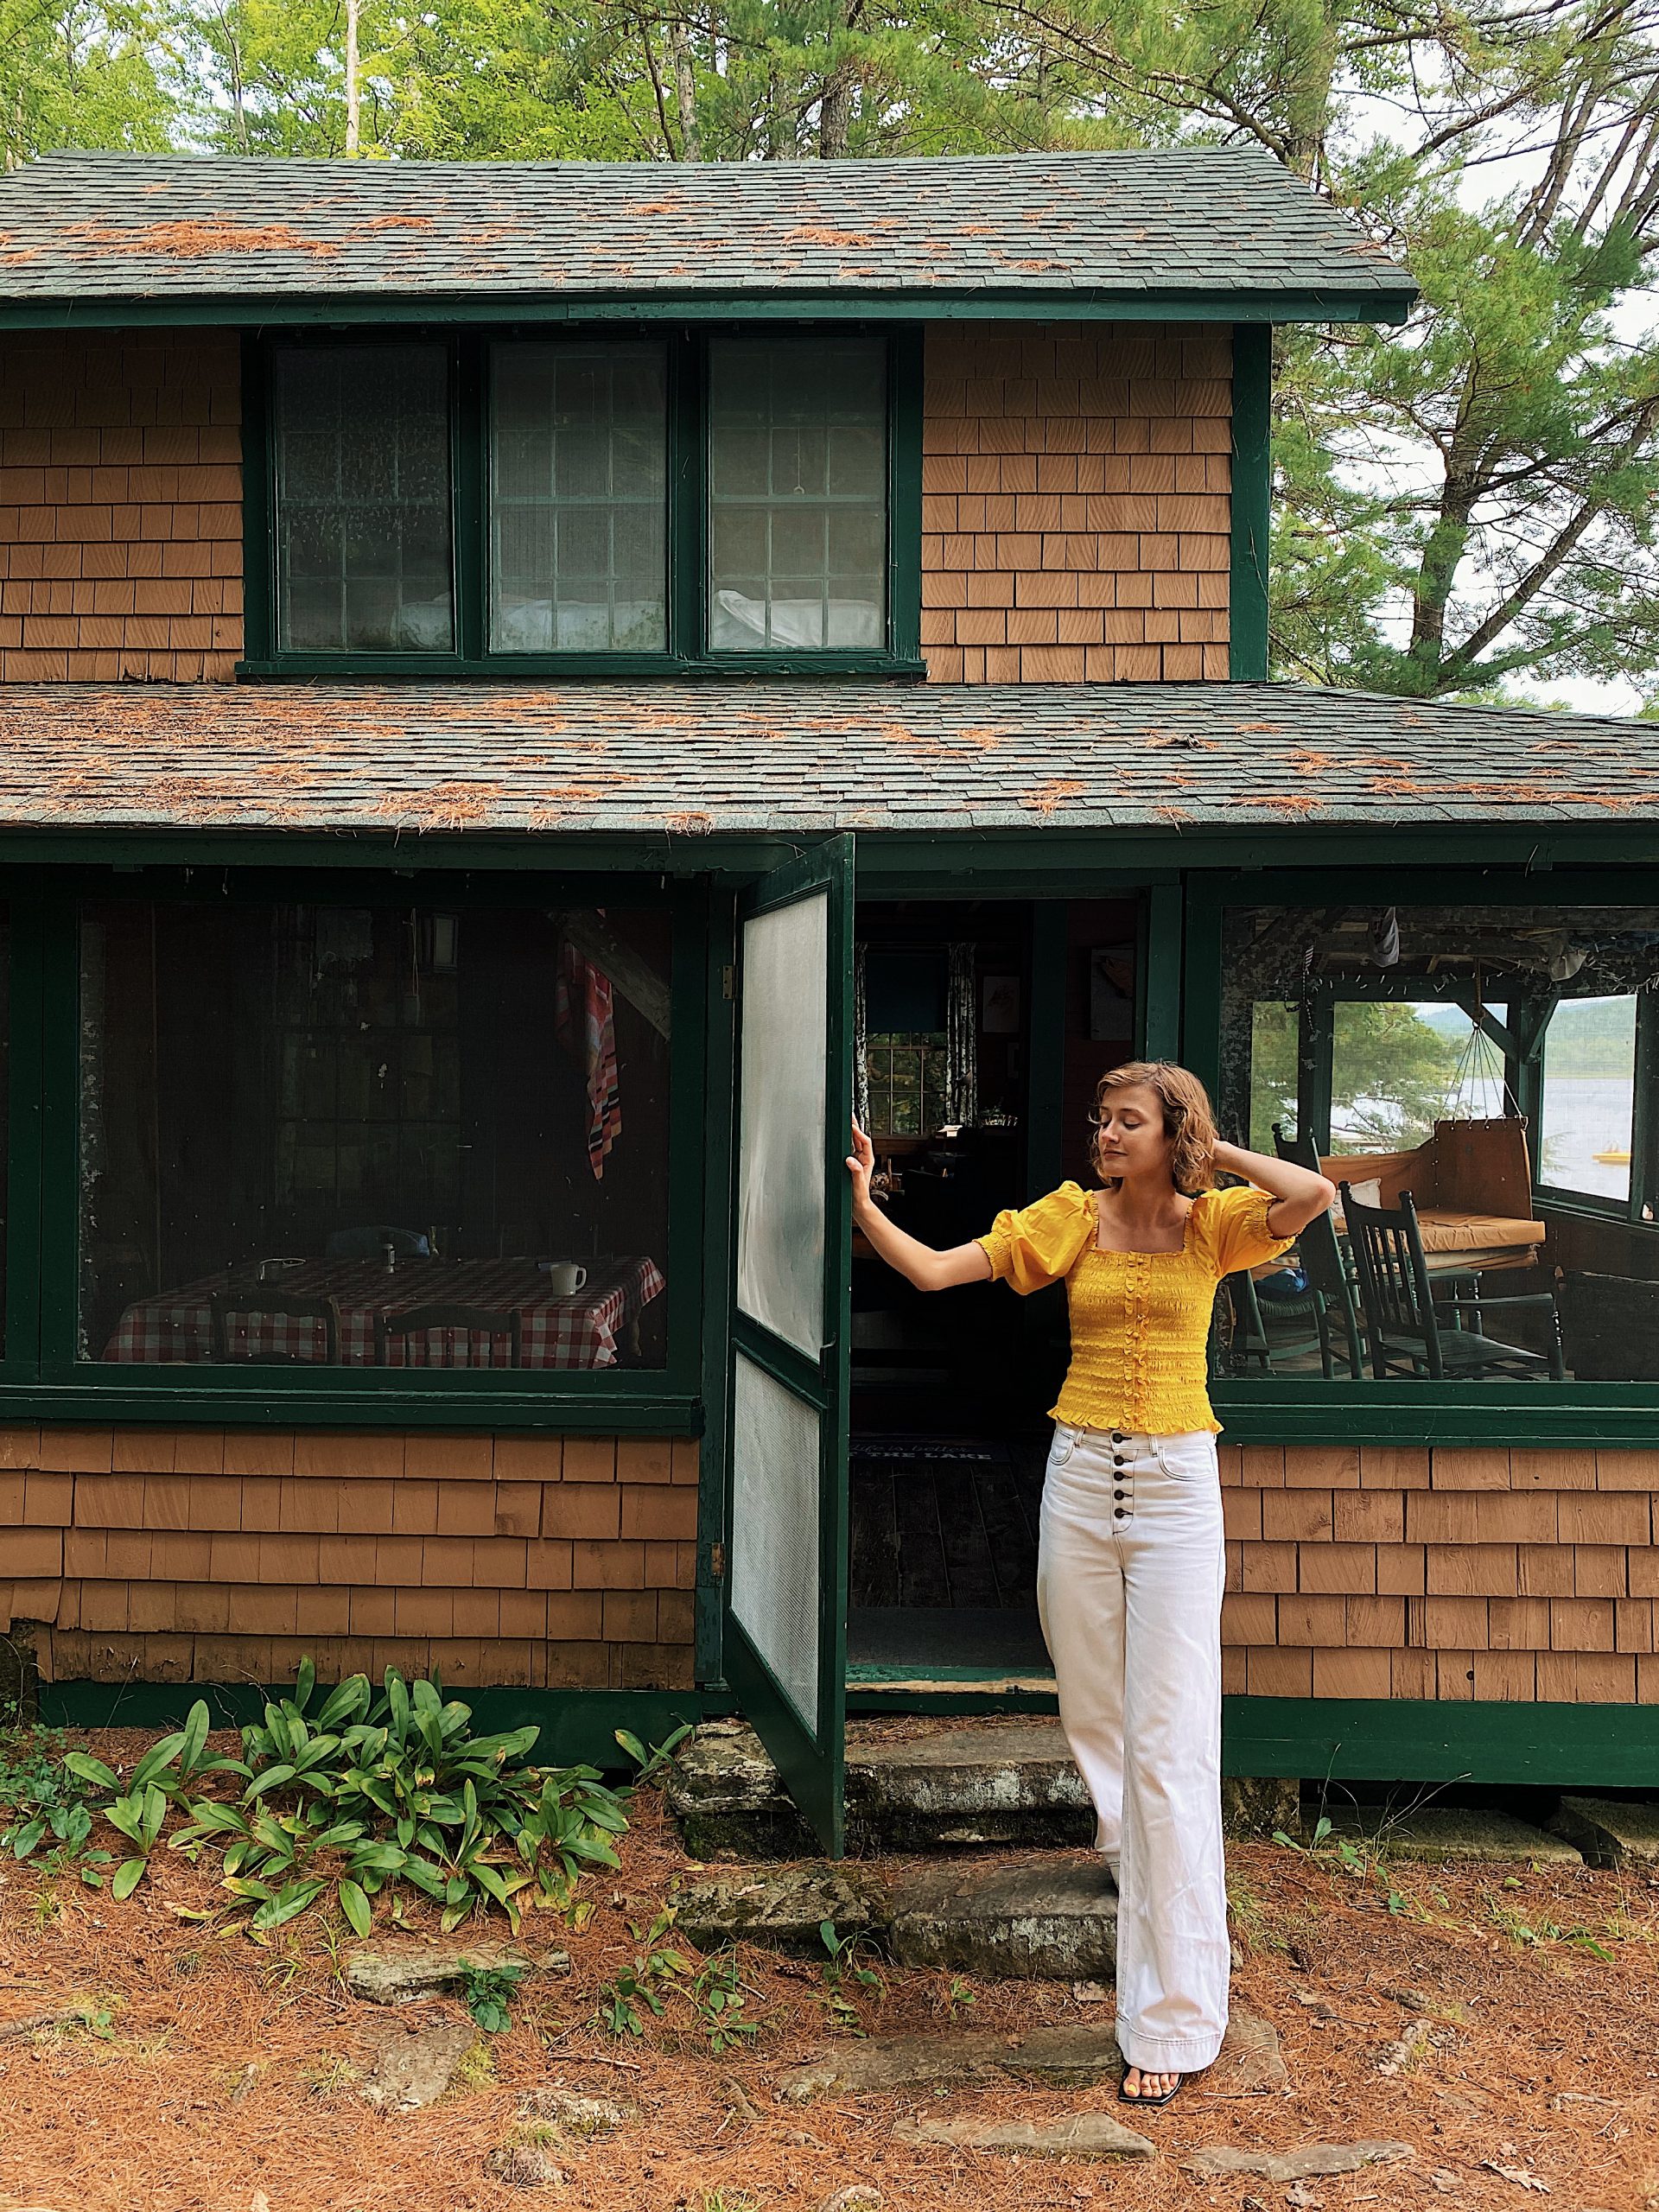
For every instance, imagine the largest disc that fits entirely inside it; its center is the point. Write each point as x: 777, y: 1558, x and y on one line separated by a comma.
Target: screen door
x: 785, y: 1638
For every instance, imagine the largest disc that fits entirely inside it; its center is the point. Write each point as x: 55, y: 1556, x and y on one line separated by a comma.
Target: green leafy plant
x: 366, y: 1794
x: 647, y: 1983
x: 649, y: 1761
x: 488, y: 1992
x: 842, y: 1966
x: 44, y: 1803
x: 718, y: 1998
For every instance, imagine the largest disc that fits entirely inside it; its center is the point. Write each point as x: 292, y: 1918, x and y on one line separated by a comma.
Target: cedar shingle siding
x: 208, y: 1556
x: 120, y: 507
x: 1377, y: 1572
x: 1076, y: 504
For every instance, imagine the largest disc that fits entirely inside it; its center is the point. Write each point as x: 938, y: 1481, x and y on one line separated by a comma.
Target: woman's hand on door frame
x: 861, y: 1166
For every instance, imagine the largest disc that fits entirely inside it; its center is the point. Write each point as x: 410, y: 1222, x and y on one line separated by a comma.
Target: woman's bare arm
x: 1298, y: 1195
x: 918, y: 1263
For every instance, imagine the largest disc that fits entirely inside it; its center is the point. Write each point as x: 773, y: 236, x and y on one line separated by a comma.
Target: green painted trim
x: 442, y: 668
x: 1385, y: 1739
x: 1046, y: 1051
x: 259, y: 521
x: 1023, y: 863
x: 25, y: 1045
x: 719, y: 1187
x: 900, y: 304
x: 1252, y: 496
x: 1427, y: 1413
x: 57, y: 919
x: 905, y: 440
x: 173, y: 1405
x: 1160, y: 978
x: 578, y: 1726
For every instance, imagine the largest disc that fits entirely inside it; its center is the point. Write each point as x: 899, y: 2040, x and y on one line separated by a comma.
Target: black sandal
x: 1150, y: 2104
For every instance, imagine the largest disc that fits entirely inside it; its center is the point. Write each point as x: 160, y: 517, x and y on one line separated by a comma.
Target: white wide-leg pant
x: 1130, y: 1572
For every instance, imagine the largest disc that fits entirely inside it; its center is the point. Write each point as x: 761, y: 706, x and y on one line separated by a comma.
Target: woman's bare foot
x: 1141, y: 2087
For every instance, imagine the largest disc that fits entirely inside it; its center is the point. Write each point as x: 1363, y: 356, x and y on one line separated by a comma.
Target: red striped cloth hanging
x: 584, y: 1022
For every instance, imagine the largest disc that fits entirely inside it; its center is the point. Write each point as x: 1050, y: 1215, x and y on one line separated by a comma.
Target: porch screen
x: 1485, y: 1081
x: 775, y: 1530
x: 579, y: 497
x: 360, y: 449
x: 780, y: 1220
x: 391, y: 1134
x: 798, y: 474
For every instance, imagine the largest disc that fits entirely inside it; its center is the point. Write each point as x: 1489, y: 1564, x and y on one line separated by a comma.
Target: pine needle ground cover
x: 1502, y: 2020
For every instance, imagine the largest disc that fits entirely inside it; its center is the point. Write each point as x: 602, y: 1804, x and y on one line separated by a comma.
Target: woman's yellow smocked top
x: 1140, y: 1320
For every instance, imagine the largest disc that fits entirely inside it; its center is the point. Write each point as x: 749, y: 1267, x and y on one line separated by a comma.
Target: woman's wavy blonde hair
x: 1189, y: 1120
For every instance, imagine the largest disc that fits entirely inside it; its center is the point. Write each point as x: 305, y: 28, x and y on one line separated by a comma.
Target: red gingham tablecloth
x: 571, y: 1332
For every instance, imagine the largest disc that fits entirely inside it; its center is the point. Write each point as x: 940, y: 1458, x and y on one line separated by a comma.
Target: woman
x: 1130, y: 1558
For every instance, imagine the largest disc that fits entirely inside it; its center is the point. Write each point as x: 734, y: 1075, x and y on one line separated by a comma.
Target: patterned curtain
x: 861, y: 1040
x: 962, y: 1039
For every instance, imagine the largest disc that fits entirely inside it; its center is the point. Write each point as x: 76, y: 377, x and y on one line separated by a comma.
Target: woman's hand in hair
x: 1298, y: 1195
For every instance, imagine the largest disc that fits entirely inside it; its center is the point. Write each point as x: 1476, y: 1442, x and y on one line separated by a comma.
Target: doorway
x: 980, y: 1029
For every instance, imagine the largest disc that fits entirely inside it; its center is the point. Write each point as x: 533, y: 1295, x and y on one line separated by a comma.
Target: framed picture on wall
x: 1111, y: 993
x: 999, y: 1006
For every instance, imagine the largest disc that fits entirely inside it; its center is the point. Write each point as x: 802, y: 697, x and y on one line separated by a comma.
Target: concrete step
x: 953, y: 1787
x: 1048, y: 1916
x: 1435, y: 1834
x: 1611, y: 1832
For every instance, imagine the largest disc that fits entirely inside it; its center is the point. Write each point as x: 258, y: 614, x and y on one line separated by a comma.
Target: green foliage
x: 488, y: 1992
x: 1393, y: 1075
x: 645, y: 1985
x: 1465, y: 502
x: 81, y: 72
x: 649, y: 1764
x: 366, y: 1794
x: 718, y: 1998
x: 44, y: 1803
x: 842, y: 1966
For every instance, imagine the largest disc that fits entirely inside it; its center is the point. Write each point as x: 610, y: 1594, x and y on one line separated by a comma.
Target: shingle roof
x: 770, y: 756
x: 1110, y: 226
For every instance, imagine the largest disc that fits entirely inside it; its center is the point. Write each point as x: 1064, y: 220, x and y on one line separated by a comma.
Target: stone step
x: 999, y: 1784
x: 1049, y: 1918
x: 956, y: 1787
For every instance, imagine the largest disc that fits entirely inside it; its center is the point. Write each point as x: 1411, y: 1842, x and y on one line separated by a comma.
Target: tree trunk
x: 354, y: 92
x: 685, y: 93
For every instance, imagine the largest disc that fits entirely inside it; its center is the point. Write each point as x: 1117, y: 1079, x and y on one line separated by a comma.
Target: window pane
x: 300, y: 1123
x: 1478, y: 1077
x: 362, y: 496
x: 579, y: 497
x: 1589, y: 1097
x: 798, y: 495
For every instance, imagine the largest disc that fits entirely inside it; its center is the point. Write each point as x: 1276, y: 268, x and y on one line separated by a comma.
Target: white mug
x: 565, y: 1278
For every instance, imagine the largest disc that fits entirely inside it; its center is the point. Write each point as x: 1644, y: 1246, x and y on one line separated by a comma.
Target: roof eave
x: 900, y: 303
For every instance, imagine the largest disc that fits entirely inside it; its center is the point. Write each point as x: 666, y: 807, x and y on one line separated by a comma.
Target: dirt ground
x: 1517, y: 2013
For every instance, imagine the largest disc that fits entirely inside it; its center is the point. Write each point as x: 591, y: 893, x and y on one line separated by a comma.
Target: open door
x: 785, y: 1631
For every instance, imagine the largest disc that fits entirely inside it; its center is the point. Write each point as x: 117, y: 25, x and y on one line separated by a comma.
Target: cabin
x: 528, y: 693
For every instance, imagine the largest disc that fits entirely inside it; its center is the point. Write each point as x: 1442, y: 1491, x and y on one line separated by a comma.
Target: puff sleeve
x: 1038, y: 1244
x: 1233, y: 1228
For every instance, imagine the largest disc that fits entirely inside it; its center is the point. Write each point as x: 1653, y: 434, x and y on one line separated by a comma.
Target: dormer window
x: 586, y: 503
x: 360, y: 442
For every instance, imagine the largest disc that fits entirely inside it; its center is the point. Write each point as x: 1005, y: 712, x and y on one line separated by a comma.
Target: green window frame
x: 1306, y: 1410
x: 687, y: 652
x: 40, y: 1375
